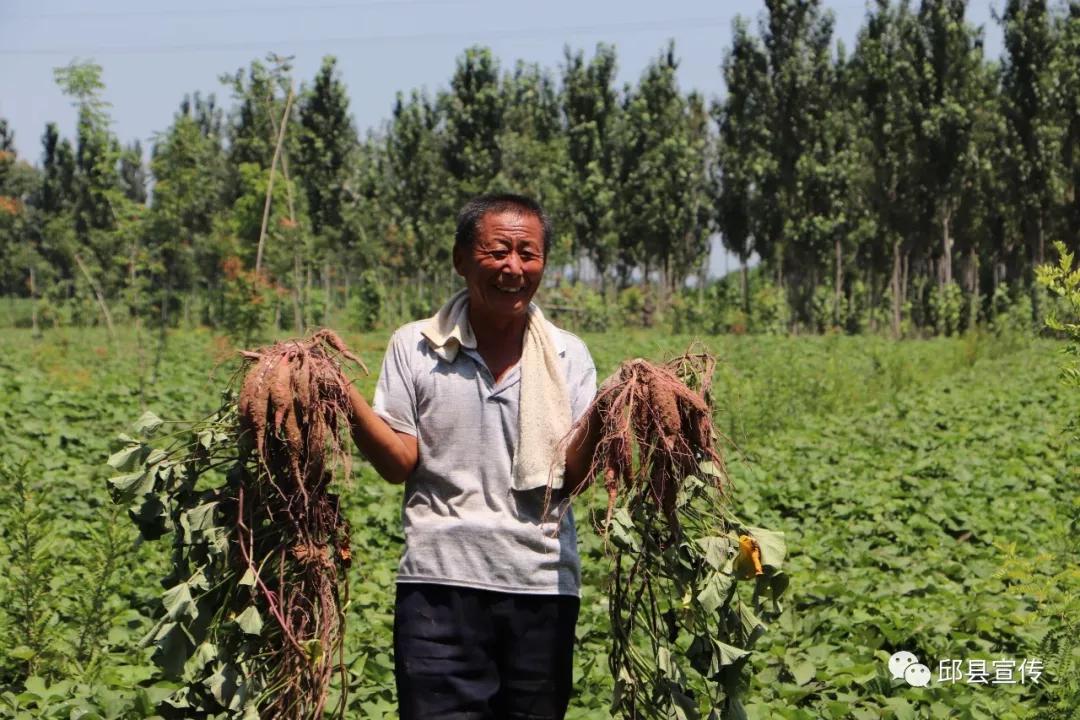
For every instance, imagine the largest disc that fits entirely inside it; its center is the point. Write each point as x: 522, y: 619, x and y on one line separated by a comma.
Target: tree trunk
x: 308, y: 281
x: 270, y: 181
x: 1040, y: 247
x: 973, y: 287
x: 904, y: 277
x: 839, y: 281
x: 100, y: 298
x: 33, y: 305
x: 328, y: 300
x: 298, y: 308
x: 744, y: 273
x: 873, y: 290
x: 348, y: 286
x: 897, y: 297
x: 946, y: 246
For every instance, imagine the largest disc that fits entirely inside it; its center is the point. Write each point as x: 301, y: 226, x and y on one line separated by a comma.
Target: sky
x: 152, y: 53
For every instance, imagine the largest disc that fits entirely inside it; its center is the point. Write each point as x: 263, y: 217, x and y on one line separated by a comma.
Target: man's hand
x: 393, y: 454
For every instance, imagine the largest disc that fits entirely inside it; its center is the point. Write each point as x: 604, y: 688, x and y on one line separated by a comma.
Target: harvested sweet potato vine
x: 252, y: 621
x: 680, y: 632
x: 293, y: 408
x: 655, y: 431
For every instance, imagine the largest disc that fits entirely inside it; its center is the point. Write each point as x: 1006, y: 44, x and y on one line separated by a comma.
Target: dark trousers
x: 475, y: 654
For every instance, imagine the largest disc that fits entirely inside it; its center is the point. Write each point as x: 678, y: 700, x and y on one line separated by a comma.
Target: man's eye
x: 498, y: 254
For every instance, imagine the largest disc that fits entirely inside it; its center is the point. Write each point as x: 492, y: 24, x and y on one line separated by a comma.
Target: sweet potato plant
x: 254, y: 618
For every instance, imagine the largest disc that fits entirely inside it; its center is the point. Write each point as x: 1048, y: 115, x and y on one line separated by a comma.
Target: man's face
x: 503, y: 268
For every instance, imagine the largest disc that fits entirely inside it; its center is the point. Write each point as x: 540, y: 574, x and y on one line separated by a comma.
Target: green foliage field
x: 912, y: 479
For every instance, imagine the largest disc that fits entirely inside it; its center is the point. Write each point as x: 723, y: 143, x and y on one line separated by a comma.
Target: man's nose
x: 512, y: 264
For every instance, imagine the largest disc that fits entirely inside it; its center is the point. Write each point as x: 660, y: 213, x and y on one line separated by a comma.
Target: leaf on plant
x: 178, y: 601
x: 716, y: 591
x: 773, y: 547
x: 716, y: 551
x: 198, y: 518
x: 132, y: 485
x: 222, y: 685
x: 173, y: 648
x: 250, y: 621
x: 728, y: 654
x: 147, y: 423
x: 127, y: 457
x: 206, y: 652
x: 803, y: 672
x: 751, y: 625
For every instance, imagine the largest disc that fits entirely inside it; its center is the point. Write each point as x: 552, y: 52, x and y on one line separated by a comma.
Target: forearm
x: 579, y: 454
x: 392, y: 454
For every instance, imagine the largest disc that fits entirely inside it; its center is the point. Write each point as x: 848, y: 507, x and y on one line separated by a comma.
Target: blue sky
x: 154, y: 52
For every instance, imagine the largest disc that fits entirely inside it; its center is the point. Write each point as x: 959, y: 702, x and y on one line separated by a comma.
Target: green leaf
x: 178, y: 601
x: 716, y: 551
x: 716, y: 591
x: 709, y: 468
x: 773, y: 547
x: 21, y: 652
x: 147, y: 423
x: 250, y: 621
x: 222, y: 685
x: 803, y: 672
x: 729, y: 654
x: 126, y: 488
x: 37, y: 686
x: 621, y: 531
x: 198, y: 518
x: 751, y: 625
x: 127, y: 457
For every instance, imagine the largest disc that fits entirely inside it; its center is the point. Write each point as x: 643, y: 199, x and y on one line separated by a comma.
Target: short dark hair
x: 474, y: 211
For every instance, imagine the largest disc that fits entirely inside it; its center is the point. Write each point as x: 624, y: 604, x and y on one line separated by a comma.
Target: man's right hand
x: 393, y: 454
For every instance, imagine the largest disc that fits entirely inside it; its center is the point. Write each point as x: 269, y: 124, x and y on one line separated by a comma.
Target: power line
x: 179, y: 12
x: 514, y: 33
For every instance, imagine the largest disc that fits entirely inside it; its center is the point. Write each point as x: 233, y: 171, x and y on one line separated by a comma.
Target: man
x: 471, y: 412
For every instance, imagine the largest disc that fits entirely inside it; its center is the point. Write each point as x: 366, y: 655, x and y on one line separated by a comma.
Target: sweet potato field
x: 927, y: 490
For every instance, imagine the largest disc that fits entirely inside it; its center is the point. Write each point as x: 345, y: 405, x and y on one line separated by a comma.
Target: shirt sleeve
x: 582, y: 383
x: 395, y: 392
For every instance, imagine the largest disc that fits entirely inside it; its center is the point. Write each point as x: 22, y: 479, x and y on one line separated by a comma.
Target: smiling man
x: 471, y: 412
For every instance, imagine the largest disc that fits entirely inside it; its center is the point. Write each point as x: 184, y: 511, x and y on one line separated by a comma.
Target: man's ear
x: 459, y: 259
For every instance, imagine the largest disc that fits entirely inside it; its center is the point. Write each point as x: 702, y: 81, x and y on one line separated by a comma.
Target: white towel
x: 544, y: 405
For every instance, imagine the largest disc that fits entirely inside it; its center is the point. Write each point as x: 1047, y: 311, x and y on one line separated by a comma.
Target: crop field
x: 926, y: 491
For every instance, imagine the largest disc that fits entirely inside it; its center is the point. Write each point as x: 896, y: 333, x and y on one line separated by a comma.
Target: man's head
x: 500, y: 248
x: 470, y: 215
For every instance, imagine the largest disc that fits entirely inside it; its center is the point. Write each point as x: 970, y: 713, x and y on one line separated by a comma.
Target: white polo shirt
x: 464, y: 525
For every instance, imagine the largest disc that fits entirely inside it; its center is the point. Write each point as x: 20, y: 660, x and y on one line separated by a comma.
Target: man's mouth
x: 510, y: 291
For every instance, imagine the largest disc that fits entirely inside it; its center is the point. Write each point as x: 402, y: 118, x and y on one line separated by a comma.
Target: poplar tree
x: 884, y: 77
x: 1067, y: 77
x: 947, y: 59
x: 1029, y: 107
x: 590, y: 106
x: 532, y: 144
x: 473, y: 112
x: 663, y: 175
x: 743, y: 160
x: 327, y: 142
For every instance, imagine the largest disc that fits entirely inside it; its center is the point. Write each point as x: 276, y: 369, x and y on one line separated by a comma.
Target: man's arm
x: 579, y: 454
x: 393, y: 454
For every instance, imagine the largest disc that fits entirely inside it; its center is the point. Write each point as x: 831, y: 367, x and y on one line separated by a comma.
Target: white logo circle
x: 899, y: 662
x: 917, y: 675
